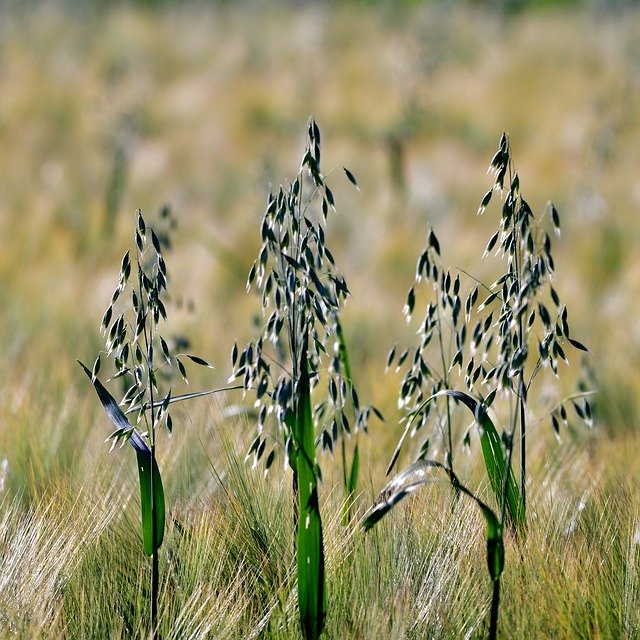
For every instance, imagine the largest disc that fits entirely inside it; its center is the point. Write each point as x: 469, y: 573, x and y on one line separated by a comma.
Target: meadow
x: 204, y: 110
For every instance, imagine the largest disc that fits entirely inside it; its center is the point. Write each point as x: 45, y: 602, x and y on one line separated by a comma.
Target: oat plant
x: 531, y: 328
x: 301, y: 352
x: 434, y: 368
x: 495, y: 345
x: 143, y: 360
x: 493, y: 342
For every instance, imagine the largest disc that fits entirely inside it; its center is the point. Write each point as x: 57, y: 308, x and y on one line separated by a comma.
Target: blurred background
x: 110, y: 106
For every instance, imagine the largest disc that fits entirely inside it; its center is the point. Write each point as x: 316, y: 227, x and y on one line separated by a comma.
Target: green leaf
x: 492, y: 453
x: 403, y: 437
x: 380, y: 510
x: 494, y: 459
x: 151, y: 503
x: 352, y: 482
x: 421, y: 473
x: 355, y: 472
x: 114, y: 412
x: 342, y: 350
x: 151, y: 491
x: 312, y: 603
x: 495, y: 540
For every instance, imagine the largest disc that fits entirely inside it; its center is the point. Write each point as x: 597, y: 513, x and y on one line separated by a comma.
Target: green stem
x: 347, y: 473
x: 523, y: 448
x: 445, y: 377
x: 517, y: 271
x: 495, y: 605
x: 154, y: 558
x: 345, y: 478
x: 155, y: 581
x: 293, y: 347
x: 521, y: 390
x: 155, y: 569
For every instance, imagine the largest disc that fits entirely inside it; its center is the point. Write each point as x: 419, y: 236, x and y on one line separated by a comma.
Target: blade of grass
x: 148, y: 501
x: 492, y: 454
x: 151, y: 503
x: 355, y: 471
x: 350, y: 476
x: 184, y: 396
x: 312, y: 602
x: 494, y: 459
x: 419, y: 474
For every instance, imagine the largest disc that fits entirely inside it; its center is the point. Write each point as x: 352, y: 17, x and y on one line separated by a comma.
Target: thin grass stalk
x: 521, y: 399
x: 349, y: 475
x: 295, y: 372
x: 447, y: 385
x: 518, y: 272
x: 523, y: 448
x: 343, y: 444
x: 495, y: 607
x: 297, y: 275
x: 155, y: 583
x: 155, y: 568
x: 126, y: 341
x: 343, y: 454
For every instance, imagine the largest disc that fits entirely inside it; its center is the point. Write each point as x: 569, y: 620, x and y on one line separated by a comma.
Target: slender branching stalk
x: 532, y: 328
x: 143, y: 359
x: 503, y: 341
x: 509, y: 323
x: 300, y: 347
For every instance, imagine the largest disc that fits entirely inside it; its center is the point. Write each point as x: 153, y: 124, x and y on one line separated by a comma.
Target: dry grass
x: 71, y: 566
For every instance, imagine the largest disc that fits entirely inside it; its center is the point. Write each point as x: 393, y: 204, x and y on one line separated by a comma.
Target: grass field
x: 205, y: 109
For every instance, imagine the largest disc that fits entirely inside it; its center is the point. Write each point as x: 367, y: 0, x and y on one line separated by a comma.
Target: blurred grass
x: 104, y: 110
x: 205, y: 108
